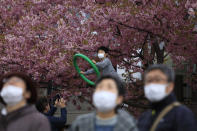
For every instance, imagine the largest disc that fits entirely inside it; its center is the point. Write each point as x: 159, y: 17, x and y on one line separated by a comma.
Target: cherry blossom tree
x: 40, y: 37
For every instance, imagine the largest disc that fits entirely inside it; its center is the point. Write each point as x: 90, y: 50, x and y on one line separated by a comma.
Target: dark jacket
x: 24, y: 119
x: 87, y: 122
x: 178, y: 119
x: 57, y: 123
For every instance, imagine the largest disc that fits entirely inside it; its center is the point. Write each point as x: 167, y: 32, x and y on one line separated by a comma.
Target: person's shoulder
x: 38, y: 117
x: 38, y: 120
x: 145, y: 115
x: 185, y: 118
x: 122, y: 112
x: 183, y: 109
x: 183, y: 112
x: 35, y: 115
x: 85, y: 116
x: 83, y: 120
x: 107, y: 59
x: 42, y: 122
x: 124, y: 115
x: 126, y: 120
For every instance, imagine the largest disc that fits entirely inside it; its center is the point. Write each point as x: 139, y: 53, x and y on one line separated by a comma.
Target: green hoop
x: 79, y: 71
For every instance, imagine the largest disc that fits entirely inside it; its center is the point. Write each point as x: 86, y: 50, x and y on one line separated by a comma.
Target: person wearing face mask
x: 107, y: 96
x: 18, y: 94
x: 105, y: 66
x: 166, y: 113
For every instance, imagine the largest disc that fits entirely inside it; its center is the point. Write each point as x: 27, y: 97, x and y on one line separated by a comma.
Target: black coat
x: 179, y: 118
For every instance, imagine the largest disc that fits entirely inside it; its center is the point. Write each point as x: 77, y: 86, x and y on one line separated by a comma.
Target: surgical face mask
x: 155, y: 92
x: 101, y: 55
x: 104, y: 101
x: 12, y: 95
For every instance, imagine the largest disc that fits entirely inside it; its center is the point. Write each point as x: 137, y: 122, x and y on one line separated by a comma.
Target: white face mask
x: 12, y: 95
x: 101, y: 55
x: 155, y: 92
x: 104, y: 101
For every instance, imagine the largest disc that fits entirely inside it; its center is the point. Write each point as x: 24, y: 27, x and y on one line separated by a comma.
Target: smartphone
x: 57, y: 97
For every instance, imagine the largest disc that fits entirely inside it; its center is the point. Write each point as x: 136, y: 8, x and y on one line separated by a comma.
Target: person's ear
x: 119, y: 100
x: 170, y: 88
x: 27, y: 95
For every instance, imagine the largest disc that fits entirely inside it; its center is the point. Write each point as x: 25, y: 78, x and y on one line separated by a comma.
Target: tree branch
x: 141, y: 55
x: 140, y: 30
x: 128, y: 63
x: 161, y: 23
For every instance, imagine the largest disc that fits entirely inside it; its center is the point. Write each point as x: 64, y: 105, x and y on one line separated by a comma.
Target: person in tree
x: 105, y: 66
x: 108, y: 94
x: 166, y: 113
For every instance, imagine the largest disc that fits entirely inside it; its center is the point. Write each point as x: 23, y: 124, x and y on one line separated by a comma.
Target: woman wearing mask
x: 18, y: 94
x: 105, y: 66
x: 107, y: 96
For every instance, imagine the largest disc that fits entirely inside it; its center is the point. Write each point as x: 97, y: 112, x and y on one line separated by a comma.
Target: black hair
x: 168, y: 71
x: 41, y: 104
x: 30, y: 85
x: 119, y: 83
x: 103, y: 48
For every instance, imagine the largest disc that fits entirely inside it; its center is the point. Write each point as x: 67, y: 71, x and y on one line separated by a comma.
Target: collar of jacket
x: 124, y: 121
x: 162, y: 104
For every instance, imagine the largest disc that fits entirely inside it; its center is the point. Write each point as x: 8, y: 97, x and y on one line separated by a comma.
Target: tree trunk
x: 159, y: 53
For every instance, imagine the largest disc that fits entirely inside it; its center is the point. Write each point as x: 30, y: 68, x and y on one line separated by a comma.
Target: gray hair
x: 168, y: 71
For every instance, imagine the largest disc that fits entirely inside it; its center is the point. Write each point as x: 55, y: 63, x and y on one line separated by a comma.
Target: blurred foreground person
x: 107, y: 96
x: 18, y: 93
x: 57, y: 123
x: 167, y: 114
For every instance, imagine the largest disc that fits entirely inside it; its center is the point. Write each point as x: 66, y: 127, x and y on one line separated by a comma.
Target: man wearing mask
x: 107, y: 96
x: 166, y: 113
x: 105, y: 65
